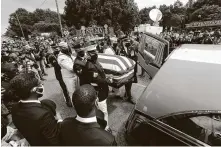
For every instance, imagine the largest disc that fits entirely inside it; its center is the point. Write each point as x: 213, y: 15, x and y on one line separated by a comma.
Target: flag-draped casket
x: 119, y: 68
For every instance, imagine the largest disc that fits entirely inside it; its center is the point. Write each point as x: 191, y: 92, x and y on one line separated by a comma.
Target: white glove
x: 110, y: 80
x: 95, y: 75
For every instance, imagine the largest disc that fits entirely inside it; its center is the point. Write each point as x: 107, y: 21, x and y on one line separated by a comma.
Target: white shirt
x: 66, y: 62
x: 30, y: 101
x: 86, y: 120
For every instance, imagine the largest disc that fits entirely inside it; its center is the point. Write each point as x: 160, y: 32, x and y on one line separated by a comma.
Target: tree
x: 212, y: 12
x: 111, y: 12
x: 177, y: 15
x: 173, y: 15
x: 144, y: 15
x: 45, y: 15
x: 175, y: 20
x: 178, y: 8
x: 200, y: 3
x: 178, y: 4
x: 25, y: 19
x: 38, y: 21
x: 203, y: 10
x: 46, y: 27
x: 190, y: 3
x: 10, y: 33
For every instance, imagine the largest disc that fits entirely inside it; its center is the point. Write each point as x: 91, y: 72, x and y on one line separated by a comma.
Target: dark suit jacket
x: 36, y: 123
x: 75, y: 133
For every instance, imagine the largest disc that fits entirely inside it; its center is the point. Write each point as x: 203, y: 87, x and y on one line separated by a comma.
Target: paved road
x: 118, y: 109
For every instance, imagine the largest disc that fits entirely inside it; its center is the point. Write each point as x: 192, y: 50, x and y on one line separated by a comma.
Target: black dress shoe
x: 42, y: 79
x: 47, y: 66
x: 142, y: 76
x: 45, y: 74
x: 130, y: 100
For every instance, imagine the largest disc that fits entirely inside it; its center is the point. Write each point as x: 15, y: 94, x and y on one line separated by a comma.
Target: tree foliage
x: 212, y: 12
x: 203, y: 10
x: 177, y: 15
x: 120, y: 14
x: 144, y: 15
x: 173, y: 15
x: 123, y: 15
x: 38, y: 21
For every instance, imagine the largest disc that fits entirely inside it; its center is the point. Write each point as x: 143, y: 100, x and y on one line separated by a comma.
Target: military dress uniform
x: 66, y: 62
x: 94, y: 75
x: 59, y: 77
x: 79, y: 64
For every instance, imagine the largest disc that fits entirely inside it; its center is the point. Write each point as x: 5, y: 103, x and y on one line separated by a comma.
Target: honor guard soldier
x: 66, y: 62
x: 79, y: 62
x: 59, y: 77
x: 93, y: 74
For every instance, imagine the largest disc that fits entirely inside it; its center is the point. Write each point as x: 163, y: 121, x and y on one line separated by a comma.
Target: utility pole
x: 19, y: 25
x: 59, y: 18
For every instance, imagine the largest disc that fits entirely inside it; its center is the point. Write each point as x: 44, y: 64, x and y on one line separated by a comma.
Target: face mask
x: 81, y: 54
x: 65, y: 51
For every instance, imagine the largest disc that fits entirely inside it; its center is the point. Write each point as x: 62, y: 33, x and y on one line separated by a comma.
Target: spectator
x: 207, y: 39
x: 41, y: 59
x: 33, y: 118
x: 84, y: 130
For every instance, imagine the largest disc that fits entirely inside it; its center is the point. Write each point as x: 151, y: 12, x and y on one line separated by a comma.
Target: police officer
x: 94, y: 75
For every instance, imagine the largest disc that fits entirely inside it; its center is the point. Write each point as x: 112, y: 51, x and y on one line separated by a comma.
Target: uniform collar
x: 86, y: 120
x: 30, y: 101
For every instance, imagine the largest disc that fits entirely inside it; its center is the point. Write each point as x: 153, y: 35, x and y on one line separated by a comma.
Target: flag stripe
x: 111, y: 67
x: 113, y: 63
x: 125, y: 62
x: 114, y: 58
x: 129, y: 61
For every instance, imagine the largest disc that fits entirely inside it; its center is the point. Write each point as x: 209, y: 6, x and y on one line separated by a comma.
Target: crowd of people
x: 192, y: 37
x: 28, y: 121
x: 23, y: 70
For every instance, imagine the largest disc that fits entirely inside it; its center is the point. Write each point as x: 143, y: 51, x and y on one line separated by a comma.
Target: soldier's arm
x: 94, y: 77
x: 100, y: 80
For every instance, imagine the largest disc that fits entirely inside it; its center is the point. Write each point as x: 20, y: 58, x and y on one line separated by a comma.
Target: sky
x: 9, y: 6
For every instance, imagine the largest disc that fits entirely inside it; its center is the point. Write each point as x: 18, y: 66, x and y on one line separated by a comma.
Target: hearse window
x: 152, y: 49
x: 205, y: 128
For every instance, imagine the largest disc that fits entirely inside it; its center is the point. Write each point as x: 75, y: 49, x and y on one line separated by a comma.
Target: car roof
x: 189, y: 80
